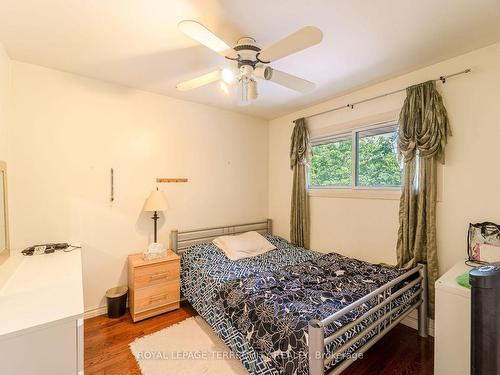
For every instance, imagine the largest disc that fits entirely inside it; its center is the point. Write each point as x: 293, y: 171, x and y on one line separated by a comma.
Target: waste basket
x: 117, y: 301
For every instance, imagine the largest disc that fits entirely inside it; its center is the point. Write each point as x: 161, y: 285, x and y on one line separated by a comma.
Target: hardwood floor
x: 400, y: 352
x: 106, y: 340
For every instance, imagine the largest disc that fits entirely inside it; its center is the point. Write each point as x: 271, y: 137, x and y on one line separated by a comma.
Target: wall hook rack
x: 171, y: 180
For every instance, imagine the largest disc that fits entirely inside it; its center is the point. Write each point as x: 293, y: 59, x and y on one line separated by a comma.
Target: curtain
x: 299, y: 157
x: 423, y: 133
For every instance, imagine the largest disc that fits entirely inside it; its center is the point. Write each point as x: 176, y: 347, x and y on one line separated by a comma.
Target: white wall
x: 367, y: 228
x: 4, y: 104
x: 4, y: 91
x: 67, y: 133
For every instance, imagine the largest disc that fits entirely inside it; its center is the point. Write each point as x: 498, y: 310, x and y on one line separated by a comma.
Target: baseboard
x: 411, y: 320
x: 95, y: 312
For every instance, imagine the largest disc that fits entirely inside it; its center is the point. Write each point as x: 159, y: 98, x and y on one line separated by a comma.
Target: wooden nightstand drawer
x: 155, y: 296
x: 156, y: 273
x: 154, y: 285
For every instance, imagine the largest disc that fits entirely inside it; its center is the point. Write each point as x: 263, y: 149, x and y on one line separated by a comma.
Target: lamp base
x: 155, y: 250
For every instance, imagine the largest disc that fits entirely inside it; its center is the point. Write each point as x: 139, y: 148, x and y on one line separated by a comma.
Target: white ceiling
x: 136, y: 42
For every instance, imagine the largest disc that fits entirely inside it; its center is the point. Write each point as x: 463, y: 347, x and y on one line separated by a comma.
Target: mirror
x: 4, y: 224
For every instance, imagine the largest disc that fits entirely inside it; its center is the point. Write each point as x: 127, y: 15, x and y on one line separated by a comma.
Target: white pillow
x: 244, y: 245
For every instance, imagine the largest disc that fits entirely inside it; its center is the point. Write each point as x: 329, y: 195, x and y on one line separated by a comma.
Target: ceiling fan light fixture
x: 228, y: 76
x: 243, y: 91
x: 252, y: 89
x: 263, y: 72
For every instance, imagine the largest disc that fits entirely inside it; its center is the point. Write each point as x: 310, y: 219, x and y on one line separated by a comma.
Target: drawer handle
x: 158, y: 276
x: 158, y: 297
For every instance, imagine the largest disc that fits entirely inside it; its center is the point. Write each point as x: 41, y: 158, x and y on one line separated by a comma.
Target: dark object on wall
x: 112, y: 191
x: 485, y: 315
x: 117, y: 301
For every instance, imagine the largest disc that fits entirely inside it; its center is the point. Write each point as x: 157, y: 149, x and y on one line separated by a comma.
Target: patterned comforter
x: 273, y: 308
x: 204, y: 271
x: 279, y: 292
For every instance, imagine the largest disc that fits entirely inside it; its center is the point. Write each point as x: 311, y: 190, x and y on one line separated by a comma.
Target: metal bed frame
x: 383, y: 311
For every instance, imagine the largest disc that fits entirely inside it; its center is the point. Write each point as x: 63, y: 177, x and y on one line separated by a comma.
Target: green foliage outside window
x: 331, y: 163
x: 378, y: 162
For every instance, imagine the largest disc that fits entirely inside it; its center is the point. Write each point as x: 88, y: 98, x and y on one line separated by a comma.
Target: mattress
x: 207, y: 274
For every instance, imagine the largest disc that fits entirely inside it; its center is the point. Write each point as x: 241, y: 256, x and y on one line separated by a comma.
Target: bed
x: 327, y: 308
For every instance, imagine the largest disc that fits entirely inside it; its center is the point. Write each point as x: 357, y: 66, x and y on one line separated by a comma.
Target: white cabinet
x: 47, y: 350
x: 452, y: 324
x: 41, y: 315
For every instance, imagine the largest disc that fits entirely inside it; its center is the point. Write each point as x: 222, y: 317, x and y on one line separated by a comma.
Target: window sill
x: 386, y: 194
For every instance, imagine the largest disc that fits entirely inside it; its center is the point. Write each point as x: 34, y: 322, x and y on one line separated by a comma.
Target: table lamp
x: 155, y: 202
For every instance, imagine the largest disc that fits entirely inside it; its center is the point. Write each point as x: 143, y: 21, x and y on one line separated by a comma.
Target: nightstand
x: 154, y: 285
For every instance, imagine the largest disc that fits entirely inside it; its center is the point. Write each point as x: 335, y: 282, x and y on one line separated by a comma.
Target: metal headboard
x: 180, y: 241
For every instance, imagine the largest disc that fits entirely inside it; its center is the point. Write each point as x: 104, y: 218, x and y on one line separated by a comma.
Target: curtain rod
x: 351, y: 105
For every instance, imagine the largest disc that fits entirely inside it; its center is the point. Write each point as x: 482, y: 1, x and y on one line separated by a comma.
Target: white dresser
x: 452, y: 324
x: 41, y: 314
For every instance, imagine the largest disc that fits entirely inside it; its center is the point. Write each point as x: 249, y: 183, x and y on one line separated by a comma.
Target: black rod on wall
x: 112, y: 191
x: 351, y: 105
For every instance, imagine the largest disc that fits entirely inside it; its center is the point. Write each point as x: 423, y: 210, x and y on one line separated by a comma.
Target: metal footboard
x: 383, y: 322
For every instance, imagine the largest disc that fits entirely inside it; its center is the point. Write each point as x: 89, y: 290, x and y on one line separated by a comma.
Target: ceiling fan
x: 250, y: 61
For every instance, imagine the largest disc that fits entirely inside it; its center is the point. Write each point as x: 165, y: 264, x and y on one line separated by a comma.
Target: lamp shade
x: 155, y: 202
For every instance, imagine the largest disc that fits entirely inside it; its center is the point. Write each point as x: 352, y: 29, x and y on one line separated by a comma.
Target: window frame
x: 316, y: 190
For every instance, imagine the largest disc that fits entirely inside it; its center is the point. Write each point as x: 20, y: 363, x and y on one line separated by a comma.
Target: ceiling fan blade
x: 202, y: 35
x: 306, y: 37
x: 287, y: 80
x: 202, y: 80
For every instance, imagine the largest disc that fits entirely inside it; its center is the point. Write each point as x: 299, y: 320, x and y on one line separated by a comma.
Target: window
x: 331, y: 162
x: 364, y: 158
x: 377, y: 162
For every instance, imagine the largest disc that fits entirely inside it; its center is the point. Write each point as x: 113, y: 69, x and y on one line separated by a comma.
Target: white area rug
x: 189, y: 347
